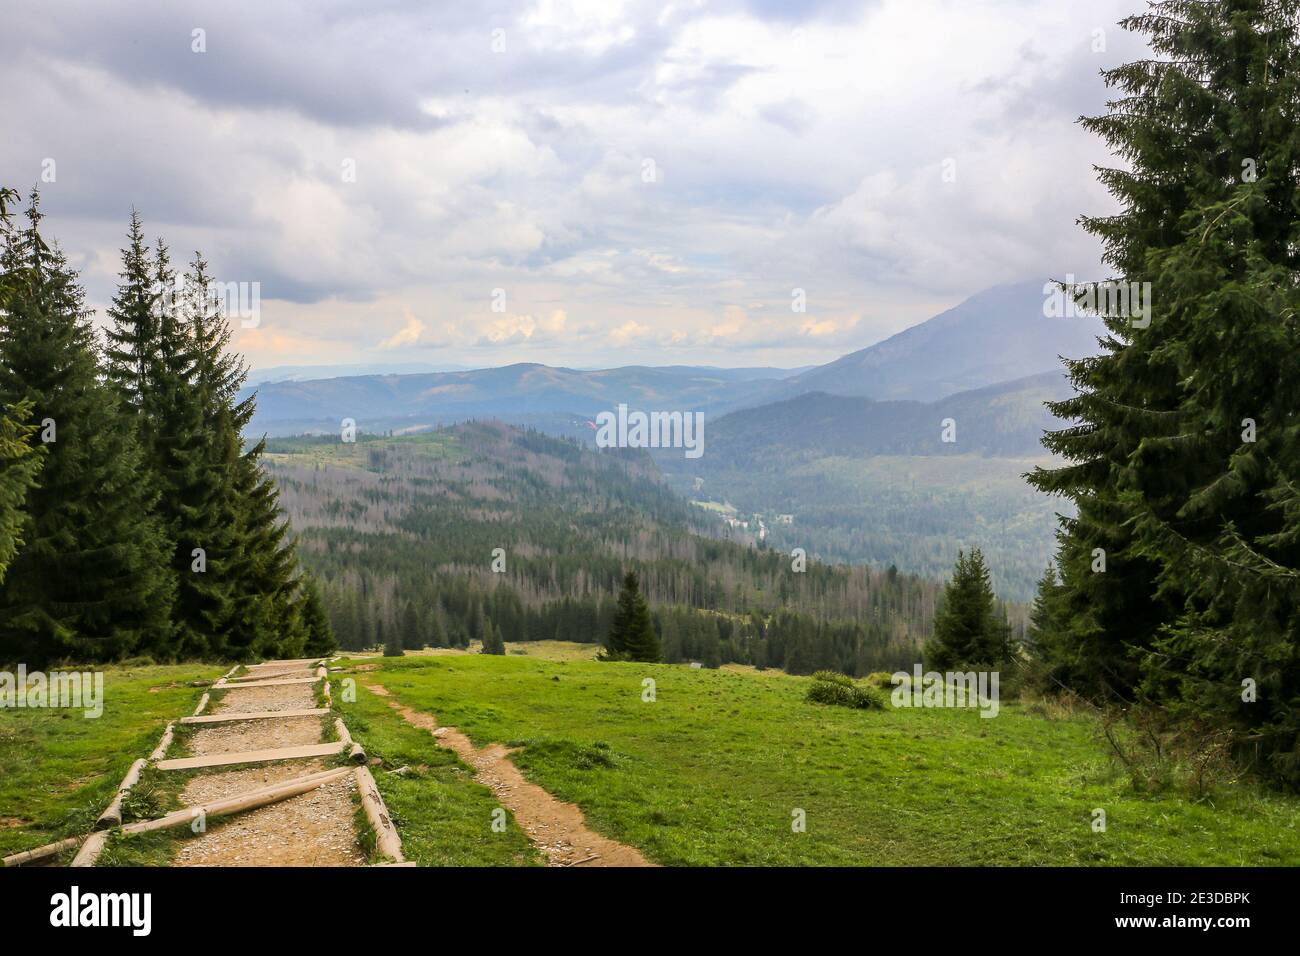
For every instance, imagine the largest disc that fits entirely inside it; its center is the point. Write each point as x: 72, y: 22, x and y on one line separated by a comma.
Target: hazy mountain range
x: 996, y: 336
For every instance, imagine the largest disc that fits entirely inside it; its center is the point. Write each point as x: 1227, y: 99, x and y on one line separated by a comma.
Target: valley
x: 441, y: 537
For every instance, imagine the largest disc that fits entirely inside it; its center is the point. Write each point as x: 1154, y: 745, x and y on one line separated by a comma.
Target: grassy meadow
x: 712, y: 771
x: 59, y: 769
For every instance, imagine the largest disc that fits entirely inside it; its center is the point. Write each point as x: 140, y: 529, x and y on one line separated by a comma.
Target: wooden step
x: 253, y: 756
x: 252, y: 799
x: 255, y: 715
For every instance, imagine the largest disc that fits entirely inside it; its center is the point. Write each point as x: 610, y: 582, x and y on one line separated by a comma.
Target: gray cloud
x: 793, y: 145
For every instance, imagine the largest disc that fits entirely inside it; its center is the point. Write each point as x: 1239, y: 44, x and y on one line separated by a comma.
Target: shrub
x: 840, y: 691
x: 880, y: 679
x: 1161, y: 753
x: 834, y: 677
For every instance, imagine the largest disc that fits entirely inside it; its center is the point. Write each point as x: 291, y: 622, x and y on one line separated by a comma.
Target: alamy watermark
x: 238, y: 300
x: 75, y: 908
x: 624, y: 429
x: 1109, y: 299
x: 949, y: 689
x: 79, y: 690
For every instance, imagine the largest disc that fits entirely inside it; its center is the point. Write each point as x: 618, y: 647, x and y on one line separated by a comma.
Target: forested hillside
x: 875, y: 482
x: 402, y: 533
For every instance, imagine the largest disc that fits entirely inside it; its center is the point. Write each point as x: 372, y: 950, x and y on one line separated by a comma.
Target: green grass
x: 711, y: 772
x: 59, y: 770
x: 331, y: 450
x: 443, y: 817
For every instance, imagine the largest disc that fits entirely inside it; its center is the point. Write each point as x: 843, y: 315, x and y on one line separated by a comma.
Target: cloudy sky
x: 643, y: 182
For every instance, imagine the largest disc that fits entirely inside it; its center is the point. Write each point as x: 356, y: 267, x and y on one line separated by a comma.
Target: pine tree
x: 493, y: 642
x: 392, y: 643
x: 412, y: 636
x: 20, y: 461
x: 474, y: 621
x: 259, y: 597
x: 207, y: 600
x: 1054, y: 666
x: 315, y: 621
x: 1180, y: 577
x: 133, y: 337
x: 20, y: 458
x: 632, y: 636
x: 967, y: 627
x: 91, y: 582
x: 178, y: 460
x: 437, y: 634
x: 266, y: 567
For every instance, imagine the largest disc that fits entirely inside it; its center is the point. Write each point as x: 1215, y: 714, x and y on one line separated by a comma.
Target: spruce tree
x: 20, y: 455
x: 267, y: 622
x: 132, y: 340
x: 208, y: 600
x: 392, y: 643
x: 968, y: 630
x: 493, y: 642
x: 315, y: 621
x: 20, y: 461
x: 632, y: 635
x: 263, y: 606
x: 91, y: 582
x: 412, y: 636
x: 1054, y: 666
x: 437, y: 634
x: 1180, y: 577
x: 178, y: 461
x: 474, y: 621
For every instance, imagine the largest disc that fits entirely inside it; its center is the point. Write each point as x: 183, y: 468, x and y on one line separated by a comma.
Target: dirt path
x: 556, y: 828
x: 312, y: 829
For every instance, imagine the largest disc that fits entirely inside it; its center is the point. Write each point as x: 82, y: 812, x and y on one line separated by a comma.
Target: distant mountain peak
x: 994, y: 336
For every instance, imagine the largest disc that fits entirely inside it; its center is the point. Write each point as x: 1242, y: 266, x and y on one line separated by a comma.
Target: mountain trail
x: 556, y: 828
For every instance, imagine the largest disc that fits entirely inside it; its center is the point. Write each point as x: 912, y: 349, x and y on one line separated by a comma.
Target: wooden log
x: 300, y: 660
x: 342, y: 730
x: 329, y: 701
x: 203, y: 703
x: 322, y: 672
x: 91, y: 849
x: 256, y: 715
x: 403, y: 863
x: 272, y: 682
x: 252, y: 756
x: 160, y: 751
x: 240, y: 802
x: 274, y: 675
x: 112, y: 816
x: 355, y: 753
x: 387, y: 842
x: 41, y: 852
